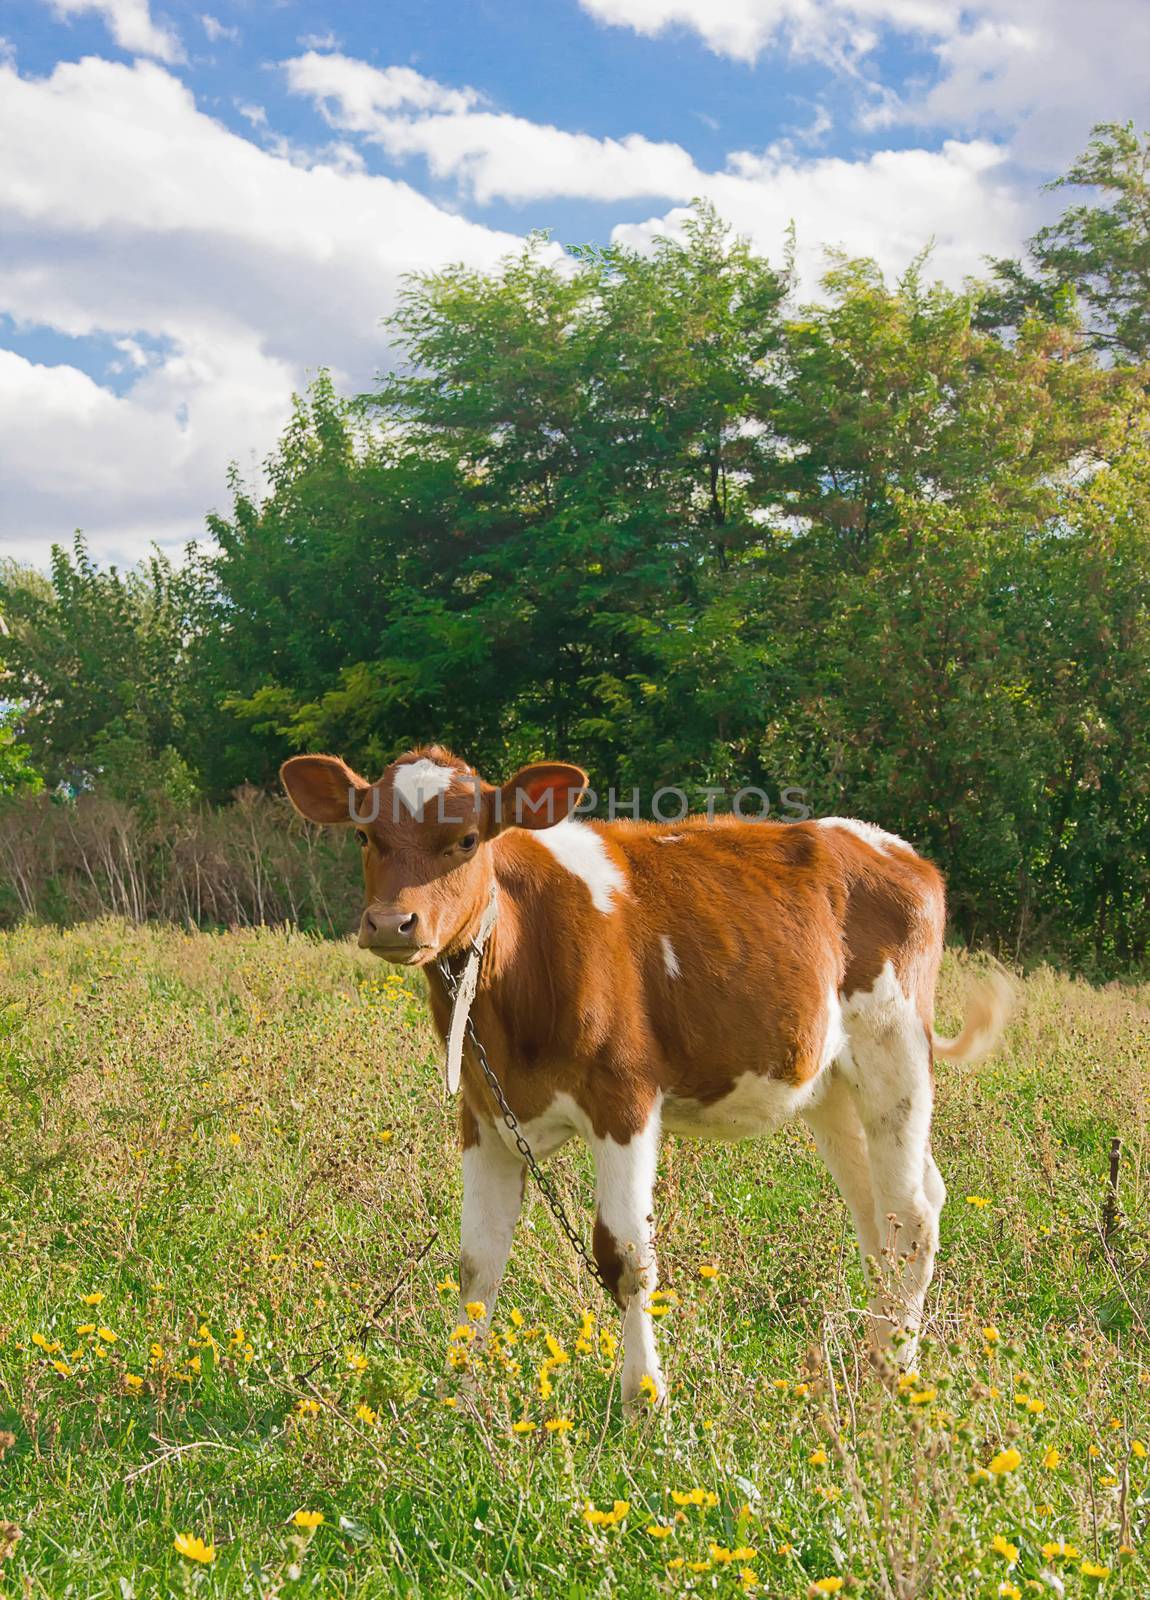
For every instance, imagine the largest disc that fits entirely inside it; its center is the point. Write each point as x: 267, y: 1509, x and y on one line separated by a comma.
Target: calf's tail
x: 988, y: 1009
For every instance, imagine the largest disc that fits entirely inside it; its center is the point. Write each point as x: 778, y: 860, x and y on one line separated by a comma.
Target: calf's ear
x: 324, y: 789
x: 537, y: 796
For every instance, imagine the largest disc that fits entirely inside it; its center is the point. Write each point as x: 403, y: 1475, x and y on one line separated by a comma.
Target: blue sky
x: 199, y: 206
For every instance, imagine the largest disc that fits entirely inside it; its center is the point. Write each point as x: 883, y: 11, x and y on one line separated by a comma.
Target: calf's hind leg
x: 890, y: 1073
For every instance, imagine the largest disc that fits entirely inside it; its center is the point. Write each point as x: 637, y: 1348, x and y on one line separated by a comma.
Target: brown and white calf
x: 709, y: 978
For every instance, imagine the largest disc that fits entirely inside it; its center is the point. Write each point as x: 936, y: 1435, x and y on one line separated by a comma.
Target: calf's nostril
x: 407, y: 926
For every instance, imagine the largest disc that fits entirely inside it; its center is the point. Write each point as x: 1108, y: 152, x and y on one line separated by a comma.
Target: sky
x: 200, y: 208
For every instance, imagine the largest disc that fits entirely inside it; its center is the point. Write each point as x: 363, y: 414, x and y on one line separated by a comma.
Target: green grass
x: 239, y: 1141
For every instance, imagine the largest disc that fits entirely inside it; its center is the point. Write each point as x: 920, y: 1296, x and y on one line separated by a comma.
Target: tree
x: 1098, y: 251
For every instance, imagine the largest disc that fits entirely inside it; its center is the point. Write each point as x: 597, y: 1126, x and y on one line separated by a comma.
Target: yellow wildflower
x: 1057, y: 1550
x: 357, y: 1361
x: 366, y: 1414
x: 708, y: 1270
x: 516, y: 1317
x: 818, y: 1458
x: 307, y: 1408
x: 1091, y: 1569
x: 476, y: 1310
x: 524, y: 1425
x: 659, y: 1530
x: 1005, y: 1461
x: 63, y: 1368
x: 107, y: 1335
x: 49, y: 1347
x: 194, y: 1548
x: 1009, y: 1591
x: 648, y: 1388
x: 131, y: 1381
x: 1003, y: 1547
x: 447, y: 1286
x: 923, y: 1397
x: 979, y: 1201
x: 86, y: 1328
x: 1138, y: 1449
x: 606, y: 1519
x: 1051, y: 1459
x: 308, y: 1519
x: 558, y: 1424
x: 827, y: 1585
x: 991, y: 1334
x: 92, y: 1299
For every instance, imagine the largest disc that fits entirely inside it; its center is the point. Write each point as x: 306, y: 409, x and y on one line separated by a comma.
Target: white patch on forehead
x: 417, y: 782
x: 670, y: 959
x: 580, y: 849
x: 868, y: 831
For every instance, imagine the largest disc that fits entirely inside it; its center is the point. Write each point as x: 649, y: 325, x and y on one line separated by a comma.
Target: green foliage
x: 17, y: 775
x: 1100, y: 252
x: 643, y: 511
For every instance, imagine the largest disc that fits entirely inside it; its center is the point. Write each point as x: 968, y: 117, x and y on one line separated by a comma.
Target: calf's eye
x: 361, y: 836
x: 469, y: 841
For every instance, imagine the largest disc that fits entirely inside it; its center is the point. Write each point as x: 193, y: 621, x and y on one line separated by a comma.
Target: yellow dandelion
x: 827, y: 1585
x: 1058, y: 1550
x: 132, y: 1382
x: 818, y: 1458
x: 708, y: 1270
x: 1091, y: 1569
x: 476, y: 1310
x: 92, y: 1299
x: 86, y: 1328
x: 1036, y: 1407
x: 1051, y: 1459
x: 50, y: 1347
x: 307, y: 1408
x: 558, y: 1424
x: 1005, y: 1461
x: 1003, y: 1547
x: 524, y: 1425
x: 63, y: 1368
x: 649, y: 1389
x: 923, y: 1397
x: 659, y: 1530
x: 979, y: 1201
x: 365, y: 1414
x: 1138, y: 1449
x: 107, y: 1335
x: 447, y: 1286
x: 991, y: 1334
x: 308, y: 1519
x: 357, y: 1361
x: 194, y: 1548
x: 1008, y: 1591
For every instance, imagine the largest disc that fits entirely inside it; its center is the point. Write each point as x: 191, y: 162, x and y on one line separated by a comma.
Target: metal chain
x: 512, y: 1123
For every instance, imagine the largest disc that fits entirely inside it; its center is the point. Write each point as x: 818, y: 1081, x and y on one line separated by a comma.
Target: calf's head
x: 425, y: 829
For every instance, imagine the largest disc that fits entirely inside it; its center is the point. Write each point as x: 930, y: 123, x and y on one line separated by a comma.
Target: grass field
x: 229, y: 1203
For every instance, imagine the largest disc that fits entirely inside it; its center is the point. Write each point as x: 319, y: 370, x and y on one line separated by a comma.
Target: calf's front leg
x: 493, y: 1179
x: 624, y: 1244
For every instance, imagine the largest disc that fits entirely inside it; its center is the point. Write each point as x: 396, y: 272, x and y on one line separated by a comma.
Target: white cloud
x: 491, y: 155
x: 743, y: 29
x: 1042, y: 70
x: 129, y: 215
x: 130, y: 24
x: 887, y: 206
x: 217, y: 30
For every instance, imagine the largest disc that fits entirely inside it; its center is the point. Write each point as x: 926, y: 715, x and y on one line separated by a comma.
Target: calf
x: 712, y: 978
